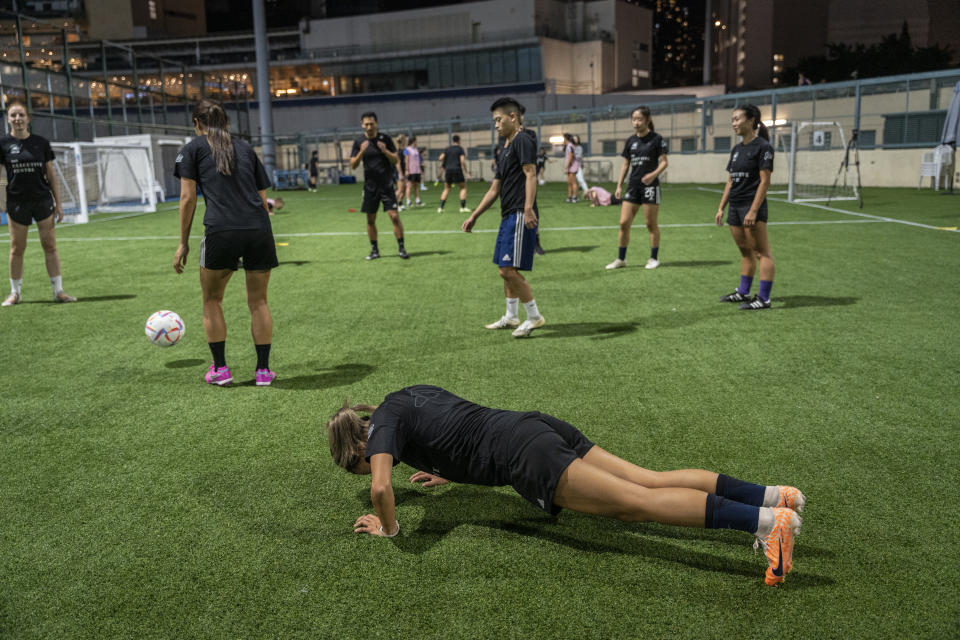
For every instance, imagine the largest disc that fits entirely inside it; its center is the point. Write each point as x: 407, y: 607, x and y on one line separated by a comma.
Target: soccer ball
x: 164, y: 328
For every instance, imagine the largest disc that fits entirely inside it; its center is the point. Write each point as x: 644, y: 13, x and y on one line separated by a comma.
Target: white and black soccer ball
x: 164, y: 328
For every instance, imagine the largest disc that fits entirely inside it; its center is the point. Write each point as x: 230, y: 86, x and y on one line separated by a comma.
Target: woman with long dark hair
x: 236, y: 231
x: 32, y: 196
x: 750, y: 168
x: 549, y: 463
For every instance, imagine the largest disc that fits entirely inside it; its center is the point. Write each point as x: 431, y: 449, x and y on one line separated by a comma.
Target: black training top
x: 451, y: 158
x: 433, y: 430
x: 232, y: 201
x: 513, y: 182
x: 644, y: 156
x: 376, y: 166
x: 26, y: 164
x: 746, y: 162
x: 314, y: 165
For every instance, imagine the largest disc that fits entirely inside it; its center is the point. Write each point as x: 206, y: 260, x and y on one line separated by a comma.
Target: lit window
x: 152, y: 7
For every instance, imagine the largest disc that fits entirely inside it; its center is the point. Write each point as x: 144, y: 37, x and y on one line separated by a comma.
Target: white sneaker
x: 14, y: 298
x: 617, y: 264
x: 505, y: 322
x: 400, y: 208
x: 464, y: 209
x: 541, y: 182
x: 652, y: 264
x: 528, y: 326
x: 439, y: 209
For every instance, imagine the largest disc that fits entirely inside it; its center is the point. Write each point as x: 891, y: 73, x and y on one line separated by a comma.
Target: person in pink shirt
x: 600, y: 197
x: 571, y: 167
x: 412, y: 157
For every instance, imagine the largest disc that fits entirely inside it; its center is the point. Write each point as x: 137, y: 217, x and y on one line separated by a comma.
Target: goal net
x: 819, y: 167
x: 94, y: 177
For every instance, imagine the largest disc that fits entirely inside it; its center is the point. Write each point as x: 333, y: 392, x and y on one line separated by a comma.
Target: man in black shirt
x: 314, y: 171
x: 551, y: 464
x: 453, y: 164
x: 515, y: 183
x: 379, y: 156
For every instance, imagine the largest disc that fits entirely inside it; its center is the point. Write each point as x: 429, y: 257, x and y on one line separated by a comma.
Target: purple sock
x: 745, y: 283
x: 765, y: 287
x: 722, y: 513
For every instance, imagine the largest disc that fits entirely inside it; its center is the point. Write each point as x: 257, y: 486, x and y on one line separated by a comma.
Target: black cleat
x: 755, y: 305
x: 736, y: 296
x: 403, y: 253
x: 373, y: 255
x: 539, y: 250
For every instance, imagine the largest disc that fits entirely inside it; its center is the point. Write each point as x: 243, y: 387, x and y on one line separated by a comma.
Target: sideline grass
x: 137, y: 502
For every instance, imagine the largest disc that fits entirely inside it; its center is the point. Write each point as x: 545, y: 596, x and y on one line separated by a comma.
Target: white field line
x: 325, y: 234
x: 845, y: 212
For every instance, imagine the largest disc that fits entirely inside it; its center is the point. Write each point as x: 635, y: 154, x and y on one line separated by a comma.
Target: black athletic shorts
x: 374, y: 194
x: 737, y: 212
x: 542, y: 448
x: 454, y: 176
x: 413, y: 177
x: 642, y: 195
x: 254, y: 249
x: 25, y: 212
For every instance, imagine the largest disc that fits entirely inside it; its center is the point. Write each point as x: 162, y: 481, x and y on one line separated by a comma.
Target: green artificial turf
x: 138, y: 502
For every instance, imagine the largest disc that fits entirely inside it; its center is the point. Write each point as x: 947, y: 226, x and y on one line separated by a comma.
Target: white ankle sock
x: 513, y: 307
x: 765, y: 522
x: 15, y: 285
x: 57, y: 283
x: 532, y: 311
x: 771, y: 496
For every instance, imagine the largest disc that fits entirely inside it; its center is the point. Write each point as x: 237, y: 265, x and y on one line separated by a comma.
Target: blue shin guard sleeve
x: 745, y: 492
x: 722, y: 513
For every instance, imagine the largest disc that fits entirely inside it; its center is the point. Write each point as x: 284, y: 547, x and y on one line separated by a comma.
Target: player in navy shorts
x: 550, y: 464
x: 515, y: 183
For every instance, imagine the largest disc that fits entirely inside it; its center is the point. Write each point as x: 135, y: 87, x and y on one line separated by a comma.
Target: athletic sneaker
x: 505, y: 322
x: 400, y: 208
x: 12, y: 299
x: 541, y: 182
x: 617, y: 264
x: 756, y: 304
x: 419, y: 203
x: 265, y: 377
x: 528, y: 326
x: 403, y: 253
x: 736, y: 296
x: 439, y: 209
x: 539, y: 250
x: 569, y: 199
x: 63, y: 297
x: 778, y: 545
x: 373, y: 255
x: 464, y: 209
x: 791, y: 498
x: 652, y: 263
x: 219, y: 377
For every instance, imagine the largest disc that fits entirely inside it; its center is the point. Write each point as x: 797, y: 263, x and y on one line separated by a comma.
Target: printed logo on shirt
x: 768, y: 156
x: 633, y: 147
x: 736, y: 154
x: 179, y: 158
x: 15, y: 149
x: 541, y: 503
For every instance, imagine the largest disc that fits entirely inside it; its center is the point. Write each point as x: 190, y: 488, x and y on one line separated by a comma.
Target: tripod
x: 854, y: 145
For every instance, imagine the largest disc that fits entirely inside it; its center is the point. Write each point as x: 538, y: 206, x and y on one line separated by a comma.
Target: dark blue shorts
x: 515, y: 243
x: 737, y: 212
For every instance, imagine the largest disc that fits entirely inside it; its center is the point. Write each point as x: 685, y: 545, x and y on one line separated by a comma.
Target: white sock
x: 765, y: 522
x: 15, y: 285
x: 771, y: 496
x: 532, y: 312
x: 513, y: 307
x: 57, y: 282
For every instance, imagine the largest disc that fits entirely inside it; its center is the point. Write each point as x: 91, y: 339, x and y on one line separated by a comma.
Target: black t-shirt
x: 644, y: 156
x: 451, y: 158
x: 513, y: 182
x: 376, y: 166
x: 314, y: 166
x: 745, y: 164
x: 26, y: 164
x: 433, y: 430
x: 232, y: 201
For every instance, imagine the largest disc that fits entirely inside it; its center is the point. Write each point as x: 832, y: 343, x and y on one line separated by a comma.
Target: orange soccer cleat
x: 778, y: 545
x: 791, y: 498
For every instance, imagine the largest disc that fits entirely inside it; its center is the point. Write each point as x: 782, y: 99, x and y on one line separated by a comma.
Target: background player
x: 600, y: 197
x: 379, y: 157
x: 750, y: 167
x: 542, y: 160
x: 570, y: 167
x: 400, y: 172
x: 414, y: 172
x: 515, y: 183
x: 578, y: 153
x: 549, y: 463
x: 314, y: 167
x: 453, y: 163
x: 236, y: 228
x: 32, y: 195
x: 645, y: 157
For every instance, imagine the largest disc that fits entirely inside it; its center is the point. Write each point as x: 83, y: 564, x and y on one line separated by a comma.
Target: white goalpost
x: 99, y: 177
x: 819, y: 167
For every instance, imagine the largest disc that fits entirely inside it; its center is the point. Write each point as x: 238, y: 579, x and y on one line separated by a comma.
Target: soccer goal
x: 97, y: 177
x: 819, y: 165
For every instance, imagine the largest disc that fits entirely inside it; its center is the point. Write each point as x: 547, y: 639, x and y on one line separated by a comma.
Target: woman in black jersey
x: 32, y: 195
x: 645, y: 158
x: 237, y: 230
x: 549, y: 463
x: 750, y: 167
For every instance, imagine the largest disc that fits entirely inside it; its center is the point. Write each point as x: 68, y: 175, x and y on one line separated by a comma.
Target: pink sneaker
x: 265, y: 377
x: 219, y: 377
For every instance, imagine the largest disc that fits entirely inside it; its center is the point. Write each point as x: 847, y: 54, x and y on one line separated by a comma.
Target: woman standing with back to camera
x: 32, y: 195
x: 750, y: 167
x: 237, y: 228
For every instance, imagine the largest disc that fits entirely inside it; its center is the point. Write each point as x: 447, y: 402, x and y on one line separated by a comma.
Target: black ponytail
x: 211, y: 117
